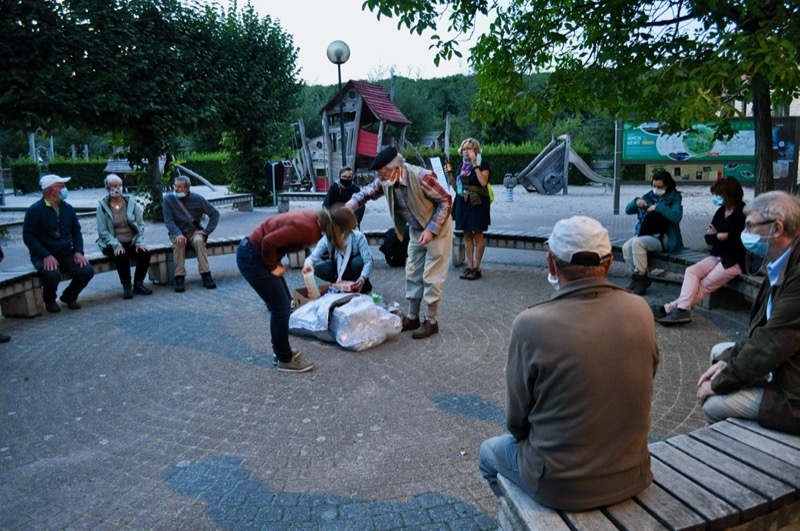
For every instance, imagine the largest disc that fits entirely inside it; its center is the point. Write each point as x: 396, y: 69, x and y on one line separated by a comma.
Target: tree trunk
x: 762, y: 118
x: 156, y: 189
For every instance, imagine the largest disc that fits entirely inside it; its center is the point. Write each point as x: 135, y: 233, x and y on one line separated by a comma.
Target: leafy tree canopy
x: 675, y: 61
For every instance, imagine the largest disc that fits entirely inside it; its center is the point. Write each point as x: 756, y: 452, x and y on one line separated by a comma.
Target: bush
x: 82, y: 173
x: 25, y: 174
x: 209, y: 165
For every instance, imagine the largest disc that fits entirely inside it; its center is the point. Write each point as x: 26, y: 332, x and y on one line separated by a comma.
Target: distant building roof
x: 376, y: 98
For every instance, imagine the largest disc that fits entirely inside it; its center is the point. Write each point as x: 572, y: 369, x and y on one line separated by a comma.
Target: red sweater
x: 285, y: 233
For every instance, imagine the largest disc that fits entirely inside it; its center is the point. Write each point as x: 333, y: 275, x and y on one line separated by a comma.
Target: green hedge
x: 89, y: 174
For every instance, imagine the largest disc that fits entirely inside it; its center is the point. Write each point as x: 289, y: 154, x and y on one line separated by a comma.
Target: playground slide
x: 586, y: 170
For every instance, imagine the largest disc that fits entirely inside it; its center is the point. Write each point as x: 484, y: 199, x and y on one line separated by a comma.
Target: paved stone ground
x: 165, y: 412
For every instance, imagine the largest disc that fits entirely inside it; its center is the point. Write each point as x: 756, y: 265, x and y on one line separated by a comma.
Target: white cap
x: 49, y: 180
x: 580, y: 240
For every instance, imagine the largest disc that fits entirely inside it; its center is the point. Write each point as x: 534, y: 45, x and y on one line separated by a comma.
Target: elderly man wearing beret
x: 416, y: 198
x: 52, y: 233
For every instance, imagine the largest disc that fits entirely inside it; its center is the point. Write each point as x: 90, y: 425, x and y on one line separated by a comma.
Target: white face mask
x: 553, y: 280
x: 659, y: 191
x: 115, y: 192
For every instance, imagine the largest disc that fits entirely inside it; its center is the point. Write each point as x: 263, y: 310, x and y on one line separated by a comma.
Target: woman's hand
x: 119, y: 251
x: 641, y: 203
x: 308, y: 268
x: 357, y: 285
x: 711, y: 229
x: 279, y: 271
x: 141, y: 248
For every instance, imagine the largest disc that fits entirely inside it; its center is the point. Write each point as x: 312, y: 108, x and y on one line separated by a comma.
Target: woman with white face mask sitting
x: 725, y: 262
x: 120, y: 229
x: 659, y: 213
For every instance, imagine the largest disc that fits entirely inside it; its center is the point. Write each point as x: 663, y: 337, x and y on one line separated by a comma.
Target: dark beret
x: 383, y: 158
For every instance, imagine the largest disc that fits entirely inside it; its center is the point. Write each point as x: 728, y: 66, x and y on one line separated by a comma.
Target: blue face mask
x: 752, y: 242
x: 180, y: 195
x: 64, y: 193
x: 717, y: 201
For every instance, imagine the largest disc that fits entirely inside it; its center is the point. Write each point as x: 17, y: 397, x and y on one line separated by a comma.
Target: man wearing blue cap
x: 52, y: 233
x: 416, y: 198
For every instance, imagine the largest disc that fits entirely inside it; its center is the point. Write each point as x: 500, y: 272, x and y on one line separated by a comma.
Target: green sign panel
x: 644, y: 142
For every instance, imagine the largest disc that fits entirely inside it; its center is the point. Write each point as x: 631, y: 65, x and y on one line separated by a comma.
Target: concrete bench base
x: 734, y: 474
x: 285, y: 197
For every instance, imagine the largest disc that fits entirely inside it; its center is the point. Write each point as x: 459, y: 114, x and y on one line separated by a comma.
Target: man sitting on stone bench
x: 758, y: 377
x: 579, y: 382
x: 183, y: 211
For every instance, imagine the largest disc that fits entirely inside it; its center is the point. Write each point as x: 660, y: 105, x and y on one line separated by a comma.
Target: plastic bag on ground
x: 312, y: 319
x: 361, y: 324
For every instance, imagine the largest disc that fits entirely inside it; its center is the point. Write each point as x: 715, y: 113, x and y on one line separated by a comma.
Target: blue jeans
x: 273, y: 291
x: 498, y: 455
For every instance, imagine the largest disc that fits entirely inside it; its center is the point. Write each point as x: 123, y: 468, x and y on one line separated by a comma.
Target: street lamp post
x: 339, y: 53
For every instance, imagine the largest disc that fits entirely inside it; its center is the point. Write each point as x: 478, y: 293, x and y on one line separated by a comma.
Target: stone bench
x: 285, y: 197
x: 733, y: 474
x: 240, y: 202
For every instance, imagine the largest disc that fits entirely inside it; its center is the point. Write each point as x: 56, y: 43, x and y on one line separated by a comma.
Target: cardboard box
x: 300, y: 295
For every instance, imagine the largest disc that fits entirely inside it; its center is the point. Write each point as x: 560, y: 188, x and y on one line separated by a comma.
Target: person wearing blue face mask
x: 758, y: 377
x: 52, y: 233
x: 659, y: 213
x: 725, y: 262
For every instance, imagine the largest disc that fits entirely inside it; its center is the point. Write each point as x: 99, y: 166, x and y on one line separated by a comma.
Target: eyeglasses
x: 750, y: 225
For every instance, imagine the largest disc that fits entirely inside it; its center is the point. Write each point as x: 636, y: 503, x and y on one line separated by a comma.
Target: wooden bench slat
x: 530, y: 512
x: 716, y: 511
x: 774, y: 448
x: 669, y: 510
x: 589, y: 521
x: 631, y: 515
x: 777, y: 492
x: 784, y: 438
x: 766, y: 463
x: 750, y: 503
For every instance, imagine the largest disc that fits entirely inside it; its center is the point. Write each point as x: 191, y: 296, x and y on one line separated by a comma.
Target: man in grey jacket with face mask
x: 579, y: 381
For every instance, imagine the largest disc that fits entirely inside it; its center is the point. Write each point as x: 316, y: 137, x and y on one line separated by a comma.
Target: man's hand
x: 119, y: 250
x: 426, y: 238
x: 50, y: 263
x: 80, y: 259
x: 279, y: 271
x: 704, y: 383
x: 201, y: 233
x: 180, y: 241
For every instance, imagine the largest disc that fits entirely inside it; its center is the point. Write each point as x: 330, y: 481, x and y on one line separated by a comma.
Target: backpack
x: 653, y: 224
x: 393, y: 249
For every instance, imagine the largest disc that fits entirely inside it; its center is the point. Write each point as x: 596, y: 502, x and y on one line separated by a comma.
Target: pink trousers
x: 705, y: 277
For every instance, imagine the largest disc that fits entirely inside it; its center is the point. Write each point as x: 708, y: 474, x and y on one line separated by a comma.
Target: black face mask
x: 346, y: 183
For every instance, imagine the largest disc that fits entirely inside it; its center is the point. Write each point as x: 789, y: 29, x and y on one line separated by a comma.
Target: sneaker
x: 475, y: 274
x: 427, y: 329
x: 296, y: 365
x: 52, y: 307
x: 208, y: 282
x: 140, y: 289
x: 180, y: 284
x: 410, y: 324
x: 71, y: 304
x: 658, y: 311
x: 677, y: 316
x: 467, y: 272
x: 295, y: 352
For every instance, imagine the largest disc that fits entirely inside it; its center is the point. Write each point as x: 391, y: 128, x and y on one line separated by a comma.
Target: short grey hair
x: 111, y: 180
x: 778, y: 206
x: 184, y: 179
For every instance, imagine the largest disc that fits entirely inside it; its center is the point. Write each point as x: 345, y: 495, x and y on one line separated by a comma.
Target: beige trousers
x: 198, y: 242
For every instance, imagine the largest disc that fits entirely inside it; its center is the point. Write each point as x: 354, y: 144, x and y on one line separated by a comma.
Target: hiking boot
x: 677, y: 316
x: 52, y: 307
x: 72, y: 304
x: 208, y: 282
x: 465, y: 275
x: 140, y: 289
x: 180, y: 284
x: 410, y: 324
x: 475, y: 274
x: 127, y: 291
x: 296, y: 365
x: 427, y: 329
x: 659, y: 312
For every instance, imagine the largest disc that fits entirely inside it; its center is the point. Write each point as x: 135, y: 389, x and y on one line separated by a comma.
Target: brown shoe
x: 52, y: 307
x: 71, y: 304
x: 426, y: 330
x: 410, y: 324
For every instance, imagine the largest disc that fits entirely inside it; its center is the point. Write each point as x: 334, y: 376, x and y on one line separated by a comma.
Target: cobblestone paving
x: 165, y: 412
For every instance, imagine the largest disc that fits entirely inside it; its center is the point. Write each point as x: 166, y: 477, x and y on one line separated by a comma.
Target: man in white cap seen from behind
x: 579, y: 380
x: 52, y: 233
